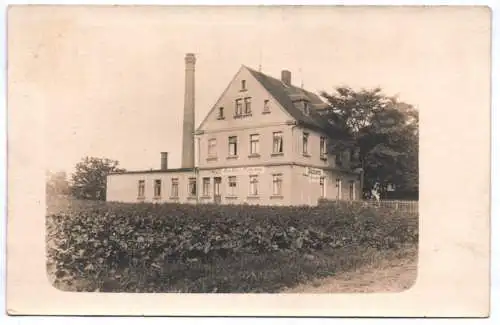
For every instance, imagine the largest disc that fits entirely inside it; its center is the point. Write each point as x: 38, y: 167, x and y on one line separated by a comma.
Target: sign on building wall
x: 255, y: 170
x: 239, y: 171
x: 231, y: 171
x: 314, y: 174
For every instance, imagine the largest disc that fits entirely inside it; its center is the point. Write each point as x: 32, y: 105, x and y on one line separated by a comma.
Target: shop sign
x: 313, y: 172
x: 242, y: 170
x: 231, y: 170
x: 255, y: 170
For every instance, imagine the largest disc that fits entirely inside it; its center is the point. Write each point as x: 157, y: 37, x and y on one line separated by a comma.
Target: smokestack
x: 188, y: 123
x: 286, y: 77
x: 164, y: 161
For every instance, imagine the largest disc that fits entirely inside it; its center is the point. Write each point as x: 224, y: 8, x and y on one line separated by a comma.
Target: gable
x: 264, y: 107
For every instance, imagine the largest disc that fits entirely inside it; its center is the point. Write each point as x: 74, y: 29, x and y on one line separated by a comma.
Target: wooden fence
x: 400, y: 205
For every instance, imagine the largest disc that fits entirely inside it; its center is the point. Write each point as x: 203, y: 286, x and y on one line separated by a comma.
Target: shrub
x: 157, y: 247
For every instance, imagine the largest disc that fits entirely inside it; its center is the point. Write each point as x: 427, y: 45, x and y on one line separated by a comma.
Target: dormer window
x: 220, y: 116
x: 243, y: 85
x: 306, y: 108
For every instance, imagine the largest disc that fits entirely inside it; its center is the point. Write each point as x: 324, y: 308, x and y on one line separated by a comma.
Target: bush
x: 201, y: 248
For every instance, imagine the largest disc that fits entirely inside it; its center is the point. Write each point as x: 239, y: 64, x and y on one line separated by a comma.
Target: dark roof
x: 149, y: 171
x: 284, y: 94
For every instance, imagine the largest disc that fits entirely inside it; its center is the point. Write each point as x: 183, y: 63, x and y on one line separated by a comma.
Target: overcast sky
x: 110, y: 80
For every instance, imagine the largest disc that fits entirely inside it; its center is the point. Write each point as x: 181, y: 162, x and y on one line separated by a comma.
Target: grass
x: 268, y: 272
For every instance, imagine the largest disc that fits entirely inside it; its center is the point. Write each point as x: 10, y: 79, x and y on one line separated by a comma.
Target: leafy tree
x: 380, y: 132
x: 57, y: 184
x: 89, y: 179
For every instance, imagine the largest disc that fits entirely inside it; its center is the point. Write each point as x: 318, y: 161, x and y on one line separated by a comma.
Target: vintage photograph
x: 225, y: 154
x: 248, y: 160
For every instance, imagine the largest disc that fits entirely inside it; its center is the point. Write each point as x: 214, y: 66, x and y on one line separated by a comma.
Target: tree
x: 89, y: 179
x: 380, y: 131
x: 57, y: 184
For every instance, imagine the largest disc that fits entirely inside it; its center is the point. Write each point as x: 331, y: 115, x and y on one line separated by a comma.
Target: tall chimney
x: 188, y: 123
x: 286, y: 77
x: 164, y: 161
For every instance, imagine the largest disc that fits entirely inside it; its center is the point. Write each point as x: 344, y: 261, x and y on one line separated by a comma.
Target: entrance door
x: 217, y: 196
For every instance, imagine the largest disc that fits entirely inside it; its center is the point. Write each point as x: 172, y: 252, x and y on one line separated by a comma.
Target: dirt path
x: 389, y: 276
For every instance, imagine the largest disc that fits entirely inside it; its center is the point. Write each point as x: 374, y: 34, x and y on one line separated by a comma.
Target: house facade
x: 263, y: 142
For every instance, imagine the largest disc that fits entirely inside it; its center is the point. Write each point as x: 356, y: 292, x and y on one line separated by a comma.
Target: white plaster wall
x: 124, y: 187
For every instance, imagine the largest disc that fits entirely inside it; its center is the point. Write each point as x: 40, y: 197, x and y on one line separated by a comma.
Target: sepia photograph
x: 242, y: 150
x: 278, y: 187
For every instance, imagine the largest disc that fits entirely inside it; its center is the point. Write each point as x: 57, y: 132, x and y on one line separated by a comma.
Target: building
x: 264, y: 142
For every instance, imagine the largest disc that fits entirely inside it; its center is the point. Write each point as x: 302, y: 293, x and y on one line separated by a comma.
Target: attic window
x: 220, y: 116
x: 266, y: 106
x: 239, y: 107
x: 243, y: 85
x: 248, y: 107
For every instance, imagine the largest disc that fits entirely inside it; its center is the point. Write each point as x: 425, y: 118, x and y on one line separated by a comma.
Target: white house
x: 263, y: 142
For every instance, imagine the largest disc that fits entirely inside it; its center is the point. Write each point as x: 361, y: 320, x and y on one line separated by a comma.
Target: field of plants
x: 118, y: 247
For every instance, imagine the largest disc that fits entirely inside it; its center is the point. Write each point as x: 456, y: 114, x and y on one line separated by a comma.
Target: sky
x: 109, y: 81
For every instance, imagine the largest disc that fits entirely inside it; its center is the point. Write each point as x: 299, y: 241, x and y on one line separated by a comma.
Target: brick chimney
x: 188, y: 122
x: 164, y: 161
x: 286, y: 77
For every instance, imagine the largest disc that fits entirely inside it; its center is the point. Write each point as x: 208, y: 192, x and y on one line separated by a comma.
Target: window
x: 322, y: 186
x: 217, y: 182
x: 206, y: 186
x: 306, y: 108
x: 232, y: 185
x: 254, y: 184
x: 343, y: 158
x: 266, y: 106
x: 277, y: 184
x: 338, y: 185
x: 212, y: 145
x: 233, y: 146
x: 175, y: 187
x: 278, y: 142
x: 322, y: 144
x: 338, y: 159
x: 352, y: 190
x: 254, y: 144
x: 141, y: 188
x: 157, y: 188
x: 221, y: 113
x: 305, y: 141
x: 243, y: 85
x: 192, y: 186
x: 239, y: 108
x: 248, y: 106
x: 347, y: 157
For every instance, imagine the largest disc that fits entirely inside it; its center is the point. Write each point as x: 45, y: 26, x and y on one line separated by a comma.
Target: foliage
x: 57, y: 183
x: 201, y: 248
x: 89, y: 178
x: 380, y: 131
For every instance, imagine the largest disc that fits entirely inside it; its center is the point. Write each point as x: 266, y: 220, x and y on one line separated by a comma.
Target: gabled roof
x: 285, y: 94
x: 199, y: 128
